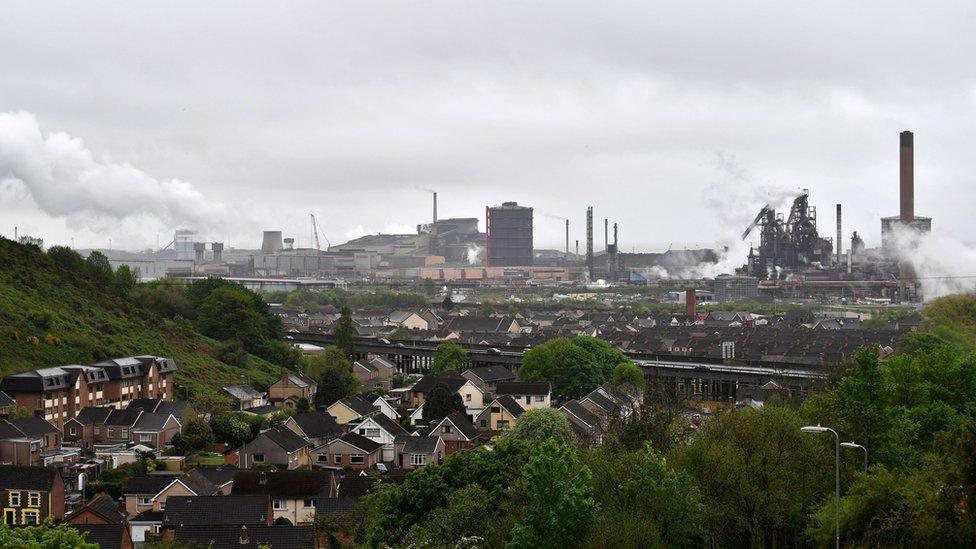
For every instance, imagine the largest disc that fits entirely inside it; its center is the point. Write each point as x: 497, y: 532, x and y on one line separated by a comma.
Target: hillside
x: 77, y: 321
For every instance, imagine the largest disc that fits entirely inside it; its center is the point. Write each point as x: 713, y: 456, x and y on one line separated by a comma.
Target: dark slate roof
x: 522, y: 388
x: 241, y: 392
x: 420, y: 445
x: 217, y: 476
x: 27, y: 478
x: 359, y: 404
x: 229, y: 537
x: 123, y: 418
x: 286, y: 484
x: 93, y: 415
x: 459, y: 421
x: 217, y: 510
x: 318, y: 424
x: 262, y: 410
x: 151, y: 422
x: 358, y: 441
x: 453, y: 380
x: 144, y: 404
x: 175, y: 407
x: 104, y: 505
x: 389, y: 425
x: 284, y: 437
x: 107, y: 536
x: 146, y: 485
x: 582, y: 414
x: 492, y: 374
x: 148, y: 516
x: 8, y: 431
x: 354, y: 486
x: 300, y: 379
x: 507, y: 402
x: 603, y: 402
x: 34, y: 426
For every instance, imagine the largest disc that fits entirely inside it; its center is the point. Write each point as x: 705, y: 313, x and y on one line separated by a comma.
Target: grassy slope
x: 94, y: 324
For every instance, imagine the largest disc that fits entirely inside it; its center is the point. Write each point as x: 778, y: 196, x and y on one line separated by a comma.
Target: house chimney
x: 245, y: 536
x: 691, y: 303
x: 906, y: 175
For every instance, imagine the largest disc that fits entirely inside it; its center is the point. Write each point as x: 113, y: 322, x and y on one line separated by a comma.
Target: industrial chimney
x: 199, y: 249
x: 435, y: 207
x: 906, y: 177
x: 839, y: 236
x: 567, y: 241
x: 589, y: 242
x: 271, y: 242
x: 218, y: 251
x: 606, y: 233
x: 691, y: 304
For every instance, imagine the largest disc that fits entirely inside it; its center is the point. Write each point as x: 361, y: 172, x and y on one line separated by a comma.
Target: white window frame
x: 279, y: 504
x: 357, y: 459
x: 257, y: 458
x: 145, y: 501
x: 418, y: 459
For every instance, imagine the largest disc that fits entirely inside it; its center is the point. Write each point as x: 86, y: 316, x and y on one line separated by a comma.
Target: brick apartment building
x: 58, y: 393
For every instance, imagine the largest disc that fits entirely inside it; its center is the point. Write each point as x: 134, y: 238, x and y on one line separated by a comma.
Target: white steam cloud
x: 942, y: 265
x: 474, y: 254
x: 66, y: 180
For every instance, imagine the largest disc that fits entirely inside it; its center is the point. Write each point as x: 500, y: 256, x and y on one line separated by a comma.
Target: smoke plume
x: 66, y: 180
x: 942, y: 265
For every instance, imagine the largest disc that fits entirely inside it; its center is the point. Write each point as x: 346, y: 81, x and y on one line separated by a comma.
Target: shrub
x: 33, y: 340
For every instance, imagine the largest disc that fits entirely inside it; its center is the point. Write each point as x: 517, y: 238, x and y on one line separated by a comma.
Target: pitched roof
x: 453, y: 380
x: 284, y: 437
x: 522, y: 388
x: 241, y: 392
x: 459, y: 421
x: 151, y: 422
x: 300, y: 379
x: 218, y: 476
x: 359, y: 441
x: 507, y: 402
x: 6, y: 401
x: 124, y: 418
x: 175, y: 407
x: 146, y: 485
x: 217, y: 510
x: 27, y: 478
x: 388, y: 425
x: 580, y: 414
x: 33, y: 426
x: 420, y: 445
x: 284, y: 484
x: 148, y: 516
x: 491, y: 374
x: 92, y: 415
x: 357, y: 404
x: 104, y: 505
x: 229, y: 537
x: 106, y: 536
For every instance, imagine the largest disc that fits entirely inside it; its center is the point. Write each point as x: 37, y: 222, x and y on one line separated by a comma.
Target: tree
x: 573, y: 367
x: 125, y: 280
x: 66, y: 258
x: 231, y: 428
x: 541, y: 424
x: 559, y: 509
x: 345, y: 334
x: 98, y: 268
x: 628, y: 372
x: 303, y: 406
x: 228, y: 313
x: 333, y: 370
x: 461, y: 517
x: 195, y: 436
x: 44, y: 536
x: 441, y: 402
x: 449, y: 356
x: 915, y: 342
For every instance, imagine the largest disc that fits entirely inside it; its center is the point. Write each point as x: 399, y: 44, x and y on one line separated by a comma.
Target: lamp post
x: 853, y: 445
x: 818, y: 430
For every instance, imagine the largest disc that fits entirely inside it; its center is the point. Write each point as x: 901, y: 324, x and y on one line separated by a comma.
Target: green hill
x: 51, y: 316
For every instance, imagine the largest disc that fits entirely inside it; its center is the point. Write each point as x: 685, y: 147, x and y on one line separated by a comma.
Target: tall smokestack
x: 577, y: 247
x: 839, y: 236
x: 199, y: 251
x: 589, y: 242
x: 606, y: 233
x: 487, y: 237
x: 218, y: 251
x: 691, y: 303
x: 906, y: 176
x: 435, y: 207
x: 567, y: 240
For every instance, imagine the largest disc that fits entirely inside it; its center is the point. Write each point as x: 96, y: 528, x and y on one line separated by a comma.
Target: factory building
x: 736, y: 288
x: 509, y: 239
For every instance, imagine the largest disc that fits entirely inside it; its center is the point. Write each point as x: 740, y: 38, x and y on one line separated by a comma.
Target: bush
x: 40, y: 319
x: 232, y: 352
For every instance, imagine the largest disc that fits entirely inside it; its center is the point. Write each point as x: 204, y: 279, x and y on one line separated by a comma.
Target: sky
x: 128, y: 120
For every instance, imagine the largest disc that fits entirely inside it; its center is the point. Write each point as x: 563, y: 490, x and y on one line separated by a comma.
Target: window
x: 33, y: 499
x: 484, y: 422
x: 337, y: 458
x: 145, y: 501
x: 72, y: 431
x: 467, y: 397
x: 98, y: 430
x: 370, y: 433
x: 279, y: 505
x: 14, y: 499
x: 357, y: 458
x: 125, y: 432
x: 9, y: 516
x: 323, y: 458
x: 495, y: 409
x: 447, y: 429
x: 540, y: 398
x: 503, y: 424
x: 32, y: 517
x: 309, y: 503
x: 33, y: 447
x: 145, y: 438
x: 418, y: 459
x: 258, y: 458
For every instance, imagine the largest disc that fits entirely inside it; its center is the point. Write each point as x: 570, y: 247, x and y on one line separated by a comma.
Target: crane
x: 315, y: 231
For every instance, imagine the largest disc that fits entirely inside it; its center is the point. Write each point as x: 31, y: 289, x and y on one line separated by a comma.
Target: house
x: 501, y: 414
x: 221, y: 478
x: 7, y: 405
x: 25, y: 441
x: 587, y: 425
x: 290, y: 388
x: 278, y: 446
x: 232, y: 510
x: 385, y: 408
x: 383, y: 430
x: 106, y: 536
x: 529, y: 394
x: 457, y: 432
x: 151, y: 492
x: 102, y: 509
x: 87, y: 428
x: 179, y: 408
x: 461, y: 325
x: 315, y: 427
x: 118, y: 426
x: 472, y: 395
x: 415, y: 452
x: 29, y: 495
x: 408, y: 320
x: 376, y: 372
x: 244, y: 537
x: 351, y: 450
x: 156, y: 430
x: 351, y: 408
x: 146, y: 523
x: 243, y: 397
x: 292, y: 493
x: 58, y: 393
x: 487, y: 377
x: 608, y: 401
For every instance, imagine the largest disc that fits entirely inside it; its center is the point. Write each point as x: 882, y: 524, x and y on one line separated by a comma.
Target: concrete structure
x: 271, y: 242
x: 509, y: 235
x: 736, y: 288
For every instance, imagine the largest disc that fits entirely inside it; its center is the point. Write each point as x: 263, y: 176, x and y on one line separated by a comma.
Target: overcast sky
x: 129, y: 119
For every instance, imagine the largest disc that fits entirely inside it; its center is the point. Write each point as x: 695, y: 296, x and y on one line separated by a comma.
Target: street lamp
x: 818, y: 430
x: 853, y: 445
